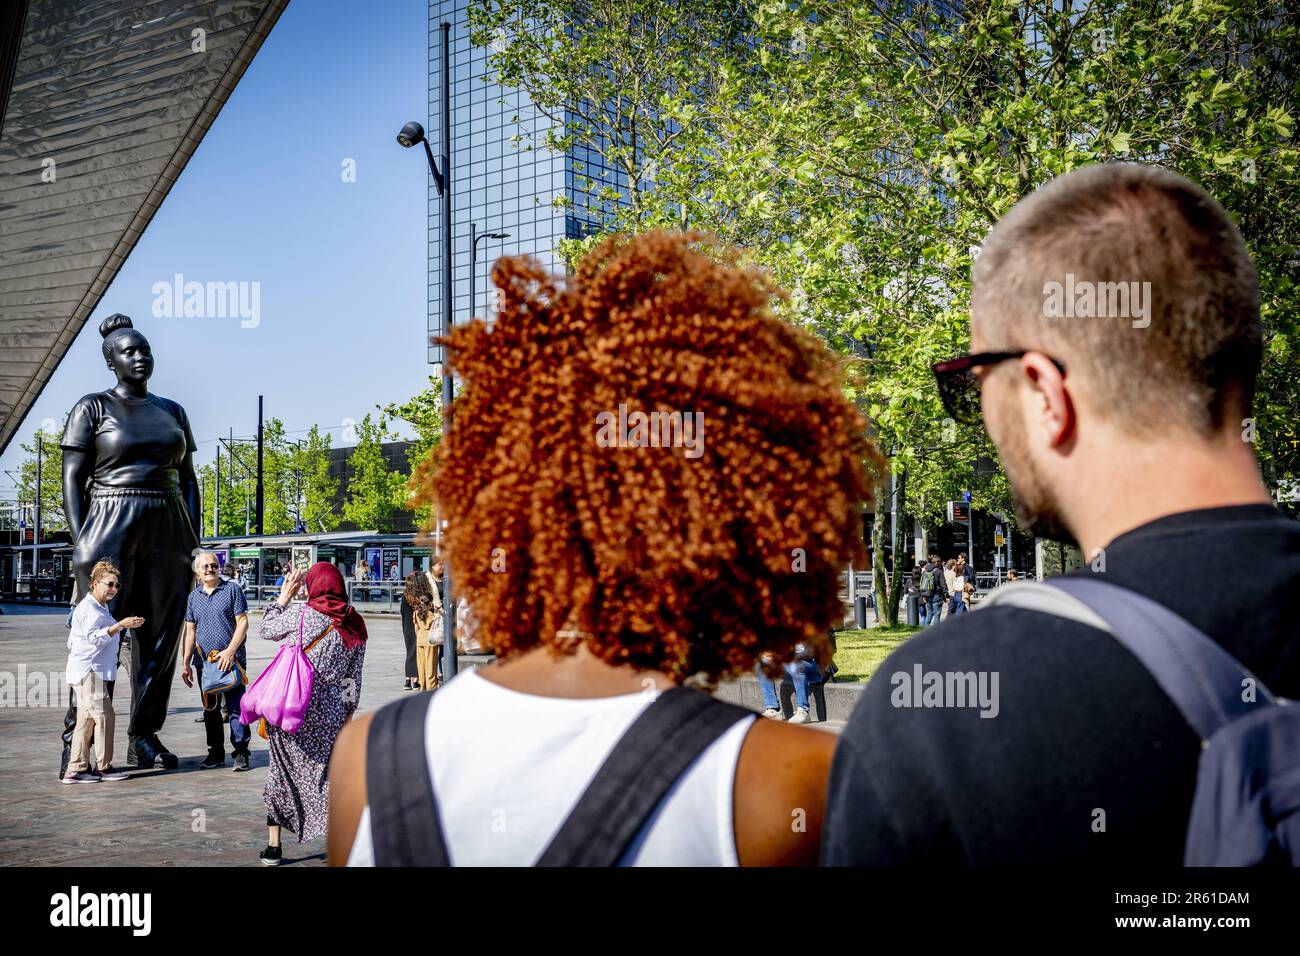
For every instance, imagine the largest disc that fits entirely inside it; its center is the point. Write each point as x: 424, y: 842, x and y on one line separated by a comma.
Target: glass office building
x: 498, y: 184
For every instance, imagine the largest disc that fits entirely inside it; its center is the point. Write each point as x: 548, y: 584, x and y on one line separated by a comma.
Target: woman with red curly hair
x: 651, y: 481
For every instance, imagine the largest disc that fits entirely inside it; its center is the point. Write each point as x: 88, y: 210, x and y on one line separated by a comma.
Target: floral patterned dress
x: 297, y: 784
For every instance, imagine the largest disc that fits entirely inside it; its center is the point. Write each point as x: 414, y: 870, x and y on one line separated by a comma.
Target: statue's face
x: 132, y: 359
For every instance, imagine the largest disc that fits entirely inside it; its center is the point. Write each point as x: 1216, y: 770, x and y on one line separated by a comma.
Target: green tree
x: 238, y: 491
x: 375, y: 491
x: 861, y: 152
x: 637, y: 82
x: 312, y: 464
x: 423, y: 412
x: 51, y: 482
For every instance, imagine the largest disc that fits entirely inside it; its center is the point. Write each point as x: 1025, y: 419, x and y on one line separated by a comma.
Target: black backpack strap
x: 405, y: 829
x: 638, y: 773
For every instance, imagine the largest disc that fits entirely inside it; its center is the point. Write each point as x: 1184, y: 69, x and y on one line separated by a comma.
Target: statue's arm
x: 77, y: 468
x: 190, y: 493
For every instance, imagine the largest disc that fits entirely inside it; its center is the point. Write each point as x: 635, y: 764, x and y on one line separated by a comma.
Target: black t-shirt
x: 134, y: 442
x: 1087, y: 760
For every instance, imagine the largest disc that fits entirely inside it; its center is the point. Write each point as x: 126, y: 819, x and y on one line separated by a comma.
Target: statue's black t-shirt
x: 134, y: 442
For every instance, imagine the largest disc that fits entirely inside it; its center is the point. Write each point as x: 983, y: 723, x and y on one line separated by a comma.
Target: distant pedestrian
x: 92, y: 668
x: 961, y: 576
x: 333, y: 636
x: 914, y: 587
x: 427, y: 619
x: 933, y: 589
x: 803, y: 673
x: 412, y: 674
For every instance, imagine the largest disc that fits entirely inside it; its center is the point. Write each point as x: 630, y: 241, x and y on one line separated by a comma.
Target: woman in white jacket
x: 92, y: 667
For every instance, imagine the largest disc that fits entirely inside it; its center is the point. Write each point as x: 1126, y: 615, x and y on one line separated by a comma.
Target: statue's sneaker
x: 144, y: 751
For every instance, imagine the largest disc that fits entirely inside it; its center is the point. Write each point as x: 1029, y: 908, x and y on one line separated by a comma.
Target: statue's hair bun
x: 114, y: 322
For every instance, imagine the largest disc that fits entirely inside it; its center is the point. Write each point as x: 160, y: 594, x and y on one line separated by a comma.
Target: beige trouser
x: 94, y: 716
x: 426, y: 665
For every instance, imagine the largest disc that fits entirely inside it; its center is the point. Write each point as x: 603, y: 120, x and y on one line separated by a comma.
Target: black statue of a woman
x: 129, y: 493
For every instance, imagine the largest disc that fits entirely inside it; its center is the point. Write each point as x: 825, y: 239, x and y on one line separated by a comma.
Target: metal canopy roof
x: 115, y: 95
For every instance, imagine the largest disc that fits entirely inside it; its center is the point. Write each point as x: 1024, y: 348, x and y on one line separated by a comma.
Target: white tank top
x: 507, y: 768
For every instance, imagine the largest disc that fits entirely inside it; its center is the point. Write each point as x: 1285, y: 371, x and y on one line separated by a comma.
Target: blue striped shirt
x: 213, y: 616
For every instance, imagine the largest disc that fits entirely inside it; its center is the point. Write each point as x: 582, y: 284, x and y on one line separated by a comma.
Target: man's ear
x: 1050, y: 415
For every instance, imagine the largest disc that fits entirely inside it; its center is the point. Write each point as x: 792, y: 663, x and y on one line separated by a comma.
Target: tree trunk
x: 888, y: 583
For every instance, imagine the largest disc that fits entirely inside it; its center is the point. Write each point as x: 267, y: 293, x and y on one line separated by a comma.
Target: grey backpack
x: 1246, y: 808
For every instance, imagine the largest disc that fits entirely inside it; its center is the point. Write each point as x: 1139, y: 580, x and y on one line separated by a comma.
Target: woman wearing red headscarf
x: 334, y: 637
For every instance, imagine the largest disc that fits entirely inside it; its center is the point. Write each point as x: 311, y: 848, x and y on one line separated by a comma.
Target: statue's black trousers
x: 150, y: 536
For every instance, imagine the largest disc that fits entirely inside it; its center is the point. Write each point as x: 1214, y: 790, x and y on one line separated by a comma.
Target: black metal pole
x: 449, y: 662
x: 216, y: 497
x: 259, y: 465
x: 36, y: 551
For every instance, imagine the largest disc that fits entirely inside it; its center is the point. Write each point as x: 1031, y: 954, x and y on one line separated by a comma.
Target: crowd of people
x: 617, y: 583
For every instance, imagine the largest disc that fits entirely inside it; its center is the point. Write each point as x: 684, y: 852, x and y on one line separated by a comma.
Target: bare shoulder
x: 780, y: 796
x: 347, y: 776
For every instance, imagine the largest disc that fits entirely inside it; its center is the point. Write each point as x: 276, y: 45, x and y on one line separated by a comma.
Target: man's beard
x: 1036, y: 510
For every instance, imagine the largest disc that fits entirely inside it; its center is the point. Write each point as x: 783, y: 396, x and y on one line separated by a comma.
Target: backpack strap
x: 648, y: 759
x: 1203, y: 680
x: 405, y: 829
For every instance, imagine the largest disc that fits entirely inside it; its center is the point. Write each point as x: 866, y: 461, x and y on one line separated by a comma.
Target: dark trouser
x: 239, y: 733
x: 408, y: 635
x: 150, y: 536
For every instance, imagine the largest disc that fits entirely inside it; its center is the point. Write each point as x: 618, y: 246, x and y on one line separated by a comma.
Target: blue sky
x: 341, y: 265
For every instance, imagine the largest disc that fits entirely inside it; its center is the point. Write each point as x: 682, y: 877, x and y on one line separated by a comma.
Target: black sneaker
x: 241, y: 760
x: 214, y: 761
x: 270, y: 856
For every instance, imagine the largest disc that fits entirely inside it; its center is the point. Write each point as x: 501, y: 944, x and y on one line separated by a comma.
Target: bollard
x: 860, y: 612
x: 913, y: 616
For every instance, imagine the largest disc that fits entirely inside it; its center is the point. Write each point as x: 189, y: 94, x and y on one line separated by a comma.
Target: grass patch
x: 859, y: 653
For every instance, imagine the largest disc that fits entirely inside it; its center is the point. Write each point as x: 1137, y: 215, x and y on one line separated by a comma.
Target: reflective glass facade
x: 498, y: 185
x: 495, y: 185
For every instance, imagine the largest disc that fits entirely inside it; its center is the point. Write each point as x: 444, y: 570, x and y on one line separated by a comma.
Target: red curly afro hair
x: 693, y: 562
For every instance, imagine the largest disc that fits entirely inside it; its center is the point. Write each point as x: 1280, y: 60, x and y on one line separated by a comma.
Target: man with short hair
x: 933, y: 589
x: 216, y: 621
x: 1120, y: 423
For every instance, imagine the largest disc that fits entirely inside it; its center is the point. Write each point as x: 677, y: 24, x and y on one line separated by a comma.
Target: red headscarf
x: 326, y: 593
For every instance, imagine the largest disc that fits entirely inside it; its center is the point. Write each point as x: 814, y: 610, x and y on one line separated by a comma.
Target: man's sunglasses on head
x: 959, y: 387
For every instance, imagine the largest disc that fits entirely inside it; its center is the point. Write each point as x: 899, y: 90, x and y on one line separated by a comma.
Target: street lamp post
x: 475, y: 237
x: 412, y: 134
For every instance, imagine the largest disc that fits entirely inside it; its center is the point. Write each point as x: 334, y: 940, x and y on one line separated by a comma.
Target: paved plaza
x: 182, y: 817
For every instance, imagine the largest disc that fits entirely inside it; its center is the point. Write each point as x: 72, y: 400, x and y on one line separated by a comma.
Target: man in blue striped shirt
x: 216, y: 620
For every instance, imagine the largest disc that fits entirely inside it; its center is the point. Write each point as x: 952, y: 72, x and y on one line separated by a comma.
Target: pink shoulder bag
x: 282, y: 692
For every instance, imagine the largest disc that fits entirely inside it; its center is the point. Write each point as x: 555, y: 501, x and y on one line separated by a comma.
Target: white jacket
x: 90, y: 646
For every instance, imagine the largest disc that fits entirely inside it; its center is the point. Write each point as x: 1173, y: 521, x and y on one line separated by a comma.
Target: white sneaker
x: 800, y: 716
x: 773, y: 714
